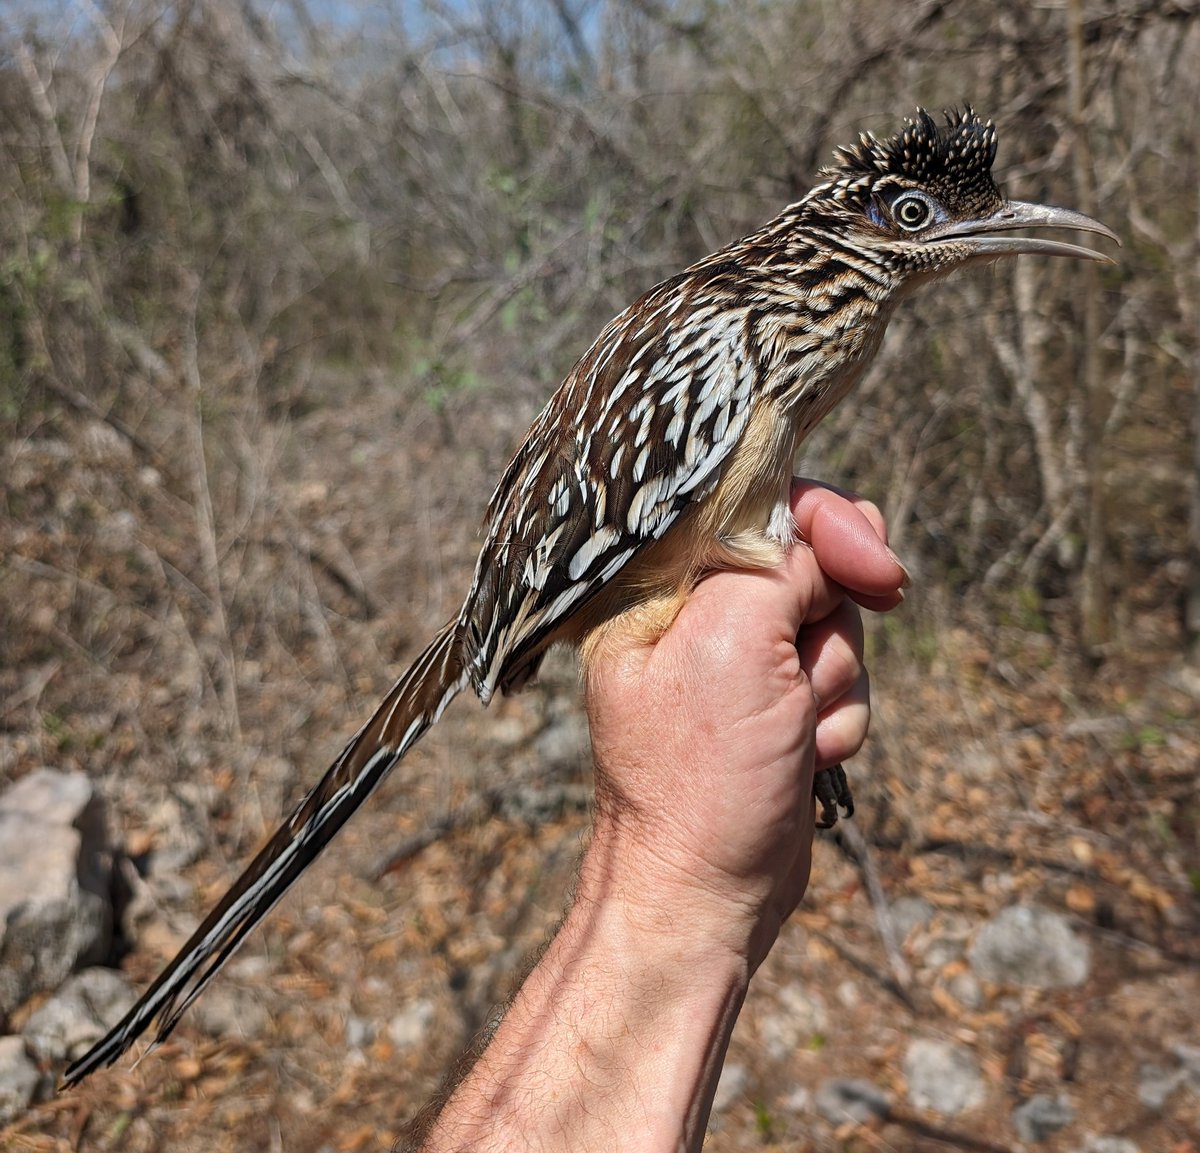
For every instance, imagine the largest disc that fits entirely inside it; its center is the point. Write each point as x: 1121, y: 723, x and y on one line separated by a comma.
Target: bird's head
x: 923, y: 202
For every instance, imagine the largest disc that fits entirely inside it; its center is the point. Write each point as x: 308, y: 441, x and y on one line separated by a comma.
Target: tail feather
x: 414, y: 703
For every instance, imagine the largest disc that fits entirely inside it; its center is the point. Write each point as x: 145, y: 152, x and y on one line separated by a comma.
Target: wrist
x: 678, y: 899
x: 658, y: 984
x: 617, y: 1037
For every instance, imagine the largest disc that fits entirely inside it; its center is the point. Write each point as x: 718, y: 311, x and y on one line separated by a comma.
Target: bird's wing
x: 638, y: 432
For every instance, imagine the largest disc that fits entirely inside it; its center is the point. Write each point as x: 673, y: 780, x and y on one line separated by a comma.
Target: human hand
x: 706, y: 741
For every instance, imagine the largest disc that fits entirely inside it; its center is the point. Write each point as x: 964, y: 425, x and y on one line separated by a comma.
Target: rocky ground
x: 998, y: 953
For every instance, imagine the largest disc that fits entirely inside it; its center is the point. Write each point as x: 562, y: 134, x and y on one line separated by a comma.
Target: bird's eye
x: 912, y: 211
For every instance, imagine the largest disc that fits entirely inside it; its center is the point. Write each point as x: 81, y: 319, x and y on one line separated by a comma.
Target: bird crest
x: 953, y: 161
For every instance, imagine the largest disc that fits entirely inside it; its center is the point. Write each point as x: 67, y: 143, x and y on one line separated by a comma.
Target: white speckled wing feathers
x: 578, y: 502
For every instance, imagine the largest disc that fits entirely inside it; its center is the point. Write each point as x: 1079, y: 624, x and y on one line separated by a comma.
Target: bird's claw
x: 831, y: 789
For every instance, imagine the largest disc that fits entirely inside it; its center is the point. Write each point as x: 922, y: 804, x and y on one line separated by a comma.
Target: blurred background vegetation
x: 213, y: 211
x: 282, y: 284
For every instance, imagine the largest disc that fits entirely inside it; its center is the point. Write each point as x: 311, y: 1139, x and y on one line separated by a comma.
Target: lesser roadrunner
x: 666, y: 453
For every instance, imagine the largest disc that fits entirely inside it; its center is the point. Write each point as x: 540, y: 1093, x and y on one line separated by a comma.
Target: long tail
x: 414, y: 703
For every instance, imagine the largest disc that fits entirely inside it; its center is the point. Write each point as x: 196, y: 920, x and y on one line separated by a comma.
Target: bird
x: 665, y: 454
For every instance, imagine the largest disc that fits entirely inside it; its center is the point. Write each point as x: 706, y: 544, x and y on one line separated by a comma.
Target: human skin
x: 705, y: 745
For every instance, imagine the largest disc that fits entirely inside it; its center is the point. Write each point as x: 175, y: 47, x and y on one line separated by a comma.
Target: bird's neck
x: 816, y: 344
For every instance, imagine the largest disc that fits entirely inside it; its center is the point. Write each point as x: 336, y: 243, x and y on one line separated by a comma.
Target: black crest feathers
x: 953, y: 160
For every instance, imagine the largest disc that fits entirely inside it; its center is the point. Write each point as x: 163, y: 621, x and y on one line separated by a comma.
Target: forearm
x: 616, y: 1038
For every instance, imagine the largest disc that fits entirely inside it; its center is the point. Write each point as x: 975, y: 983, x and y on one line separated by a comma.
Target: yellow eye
x: 912, y: 211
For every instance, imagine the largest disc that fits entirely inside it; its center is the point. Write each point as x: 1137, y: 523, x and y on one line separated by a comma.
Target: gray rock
x: 842, y: 1099
x: 1156, y: 1084
x: 1189, y: 1058
x: 848, y: 994
x: 19, y: 1079
x: 229, y: 1010
x: 360, y: 1032
x: 732, y: 1085
x: 1101, y: 1144
x: 942, y: 1077
x: 409, y: 1027
x: 801, y: 1015
x: 965, y: 988
x: 87, y: 1005
x: 564, y: 743
x: 798, y: 1100
x: 538, y: 805
x: 1026, y: 945
x: 978, y: 762
x: 940, y: 952
x: 55, y: 881
x: 1039, y: 1118
x: 909, y: 913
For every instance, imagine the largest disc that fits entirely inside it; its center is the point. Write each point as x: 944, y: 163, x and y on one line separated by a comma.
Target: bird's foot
x: 831, y: 789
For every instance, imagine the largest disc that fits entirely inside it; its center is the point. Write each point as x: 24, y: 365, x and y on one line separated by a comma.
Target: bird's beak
x: 978, y: 239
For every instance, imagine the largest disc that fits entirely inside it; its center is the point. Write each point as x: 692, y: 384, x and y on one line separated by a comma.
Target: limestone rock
x: 79, y: 1014
x: 55, y: 882
x: 1105, y: 1144
x: 942, y: 1077
x: 19, y: 1079
x: 1026, y: 945
x: 1039, y: 1118
x: 842, y: 1099
x: 409, y: 1027
x: 800, y: 1017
